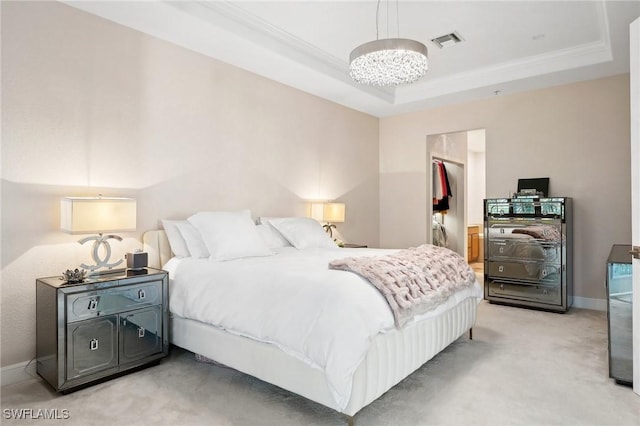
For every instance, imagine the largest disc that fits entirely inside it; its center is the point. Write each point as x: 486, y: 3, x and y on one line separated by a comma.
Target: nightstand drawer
x: 112, y: 300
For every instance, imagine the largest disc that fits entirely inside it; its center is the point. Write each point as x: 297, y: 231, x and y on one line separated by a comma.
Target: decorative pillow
x: 303, y: 232
x: 176, y: 240
x: 194, y: 241
x: 230, y: 235
x: 271, y: 236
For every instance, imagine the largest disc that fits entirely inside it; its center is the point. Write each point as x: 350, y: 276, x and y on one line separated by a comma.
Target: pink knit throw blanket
x: 413, y: 281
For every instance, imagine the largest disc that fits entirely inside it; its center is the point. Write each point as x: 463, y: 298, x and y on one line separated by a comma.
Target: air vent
x: 447, y: 40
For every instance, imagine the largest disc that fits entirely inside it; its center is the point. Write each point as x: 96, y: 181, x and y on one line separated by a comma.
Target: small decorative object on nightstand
x: 74, y: 277
x: 105, y: 325
x: 353, y: 245
x: 137, y: 260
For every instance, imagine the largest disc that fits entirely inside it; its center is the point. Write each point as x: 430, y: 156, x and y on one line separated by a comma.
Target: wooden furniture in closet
x: 473, y: 243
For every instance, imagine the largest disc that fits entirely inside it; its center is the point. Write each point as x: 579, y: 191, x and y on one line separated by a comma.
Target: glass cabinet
x: 619, y: 313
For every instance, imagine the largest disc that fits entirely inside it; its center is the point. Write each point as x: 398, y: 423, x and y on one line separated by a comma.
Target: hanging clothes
x: 439, y: 234
x: 441, y: 187
x: 436, y: 179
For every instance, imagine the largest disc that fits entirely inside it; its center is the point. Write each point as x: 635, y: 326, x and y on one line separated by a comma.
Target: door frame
x: 634, y: 92
x: 460, y: 195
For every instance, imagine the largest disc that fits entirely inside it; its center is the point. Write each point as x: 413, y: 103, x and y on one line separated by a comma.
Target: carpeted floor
x: 523, y: 367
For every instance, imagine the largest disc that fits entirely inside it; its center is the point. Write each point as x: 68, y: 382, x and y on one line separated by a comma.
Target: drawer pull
x: 501, y: 268
x: 501, y: 286
x: 93, y: 305
x: 141, y: 331
x: 501, y: 250
x: 502, y: 230
x: 141, y: 294
x: 93, y: 344
x: 544, y: 273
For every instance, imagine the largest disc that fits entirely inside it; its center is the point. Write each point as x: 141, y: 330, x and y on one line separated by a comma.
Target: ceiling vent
x: 447, y: 40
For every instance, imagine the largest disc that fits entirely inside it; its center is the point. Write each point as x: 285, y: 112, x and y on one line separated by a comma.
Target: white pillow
x: 303, y: 232
x: 271, y: 236
x: 262, y: 220
x: 194, y: 241
x: 176, y: 240
x: 230, y: 235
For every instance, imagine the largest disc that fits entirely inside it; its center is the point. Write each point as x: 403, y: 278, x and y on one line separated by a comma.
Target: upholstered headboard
x: 156, y: 244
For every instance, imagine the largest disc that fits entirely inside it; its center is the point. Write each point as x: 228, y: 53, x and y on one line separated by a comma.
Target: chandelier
x: 389, y: 61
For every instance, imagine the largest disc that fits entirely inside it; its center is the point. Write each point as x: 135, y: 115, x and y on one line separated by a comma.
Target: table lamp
x: 98, y: 215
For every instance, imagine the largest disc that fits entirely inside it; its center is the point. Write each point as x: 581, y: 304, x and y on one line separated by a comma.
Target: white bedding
x: 324, y: 317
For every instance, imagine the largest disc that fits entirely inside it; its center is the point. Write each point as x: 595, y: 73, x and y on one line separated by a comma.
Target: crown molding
x: 225, y: 31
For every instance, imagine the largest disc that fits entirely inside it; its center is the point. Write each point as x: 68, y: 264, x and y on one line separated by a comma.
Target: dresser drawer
x: 533, y: 293
x: 523, y: 249
x: 542, y: 230
x: 112, y: 300
x: 548, y: 274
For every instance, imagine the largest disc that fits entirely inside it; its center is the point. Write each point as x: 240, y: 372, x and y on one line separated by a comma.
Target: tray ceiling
x: 508, y: 46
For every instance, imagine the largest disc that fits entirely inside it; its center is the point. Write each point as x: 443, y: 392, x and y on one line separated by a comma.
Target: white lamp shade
x: 316, y: 211
x: 333, y: 212
x: 90, y: 215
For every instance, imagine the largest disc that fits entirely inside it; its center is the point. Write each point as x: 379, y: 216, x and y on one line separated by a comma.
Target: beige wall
x: 578, y: 135
x: 92, y: 107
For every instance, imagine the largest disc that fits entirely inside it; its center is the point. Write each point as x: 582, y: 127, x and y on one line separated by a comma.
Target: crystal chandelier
x: 388, y: 62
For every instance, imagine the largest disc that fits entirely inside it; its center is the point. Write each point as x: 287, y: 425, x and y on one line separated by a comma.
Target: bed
x: 341, y: 374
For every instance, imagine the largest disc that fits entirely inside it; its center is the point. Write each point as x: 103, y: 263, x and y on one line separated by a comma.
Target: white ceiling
x: 509, y: 46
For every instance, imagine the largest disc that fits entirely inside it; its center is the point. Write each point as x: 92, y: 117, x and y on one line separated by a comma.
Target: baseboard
x: 589, y: 303
x: 19, y: 372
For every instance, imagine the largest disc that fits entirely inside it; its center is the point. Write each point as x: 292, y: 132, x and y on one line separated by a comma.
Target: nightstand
x: 353, y: 245
x: 106, y: 325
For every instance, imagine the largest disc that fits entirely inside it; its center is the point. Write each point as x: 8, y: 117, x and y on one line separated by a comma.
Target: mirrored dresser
x: 106, y: 325
x: 619, y: 314
x: 529, y: 252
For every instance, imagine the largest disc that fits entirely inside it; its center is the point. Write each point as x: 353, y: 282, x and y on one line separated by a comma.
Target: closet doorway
x: 457, y: 222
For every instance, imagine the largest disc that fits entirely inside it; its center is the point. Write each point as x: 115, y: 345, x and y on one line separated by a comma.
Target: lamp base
x: 101, y: 262
x: 328, y: 227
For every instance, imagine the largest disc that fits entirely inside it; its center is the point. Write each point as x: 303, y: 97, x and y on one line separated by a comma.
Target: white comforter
x: 324, y: 317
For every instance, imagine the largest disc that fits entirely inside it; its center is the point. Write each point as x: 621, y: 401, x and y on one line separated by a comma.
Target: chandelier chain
x: 377, y: 19
x: 387, y: 18
x: 397, y: 20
